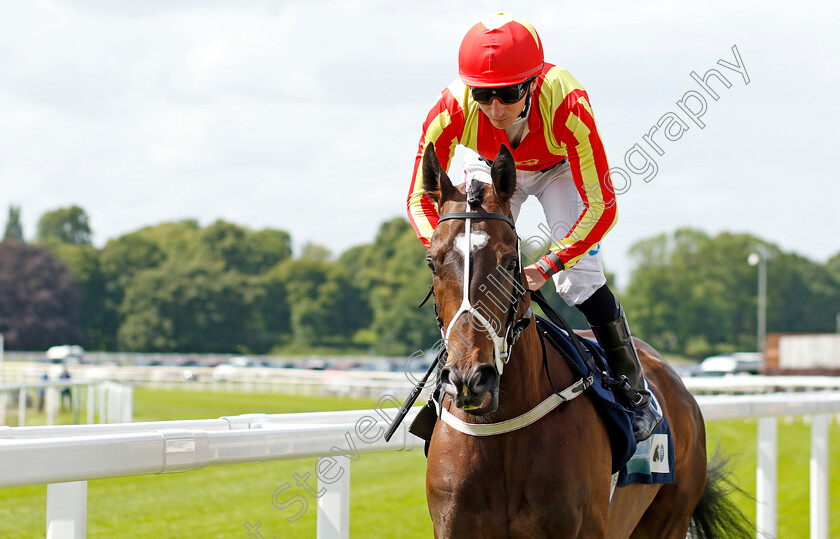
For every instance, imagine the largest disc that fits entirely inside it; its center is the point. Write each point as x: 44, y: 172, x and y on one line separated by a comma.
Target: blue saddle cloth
x: 643, y: 464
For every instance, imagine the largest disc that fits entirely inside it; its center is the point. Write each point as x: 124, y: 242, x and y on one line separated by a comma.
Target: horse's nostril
x: 450, y: 378
x: 483, y: 378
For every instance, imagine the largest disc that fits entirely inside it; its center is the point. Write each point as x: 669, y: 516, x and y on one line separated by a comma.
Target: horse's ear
x: 503, y: 173
x: 435, y: 181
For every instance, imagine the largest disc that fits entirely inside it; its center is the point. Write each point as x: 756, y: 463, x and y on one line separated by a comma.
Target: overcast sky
x: 305, y: 115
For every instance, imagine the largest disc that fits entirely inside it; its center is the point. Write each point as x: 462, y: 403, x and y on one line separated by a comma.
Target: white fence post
x: 101, y: 401
x: 334, y: 504
x: 819, y: 476
x: 767, y: 477
x: 113, y: 399
x: 128, y: 404
x: 22, y: 407
x: 67, y: 510
x: 75, y: 396
x: 91, y: 403
x: 49, y: 404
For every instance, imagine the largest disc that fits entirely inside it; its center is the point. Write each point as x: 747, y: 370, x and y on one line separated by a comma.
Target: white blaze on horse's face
x: 478, y: 239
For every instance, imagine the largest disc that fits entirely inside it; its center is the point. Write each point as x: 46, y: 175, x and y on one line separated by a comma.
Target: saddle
x: 652, y: 460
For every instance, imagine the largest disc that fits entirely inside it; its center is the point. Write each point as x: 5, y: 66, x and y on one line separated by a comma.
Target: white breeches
x: 561, y: 204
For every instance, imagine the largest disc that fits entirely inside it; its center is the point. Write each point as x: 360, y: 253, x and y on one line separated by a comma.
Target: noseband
x: 513, y: 328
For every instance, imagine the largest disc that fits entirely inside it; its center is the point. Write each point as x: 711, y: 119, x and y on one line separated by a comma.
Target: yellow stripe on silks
x: 583, y: 101
x: 424, y: 227
x: 433, y: 132
x: 594, y: 198
x: 469, y: 138
x: 436, y: 127
x: 557, y: 85
x: 470, y: 114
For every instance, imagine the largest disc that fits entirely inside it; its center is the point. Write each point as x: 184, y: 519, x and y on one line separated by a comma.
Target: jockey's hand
x: 533, y: 277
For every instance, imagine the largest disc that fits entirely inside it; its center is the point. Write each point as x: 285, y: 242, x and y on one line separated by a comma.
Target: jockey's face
x: 502, y: 115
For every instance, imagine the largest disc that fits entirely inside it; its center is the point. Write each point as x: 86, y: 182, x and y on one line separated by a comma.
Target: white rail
x: 114, y: 401
x: 66, y: 457
x: 744, y: 383
x: 767, y: 407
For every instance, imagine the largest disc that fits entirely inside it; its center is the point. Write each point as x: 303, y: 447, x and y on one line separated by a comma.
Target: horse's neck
x: 524, y: 383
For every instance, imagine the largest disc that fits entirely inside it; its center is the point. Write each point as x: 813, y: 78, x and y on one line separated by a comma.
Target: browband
x: 476, y: 215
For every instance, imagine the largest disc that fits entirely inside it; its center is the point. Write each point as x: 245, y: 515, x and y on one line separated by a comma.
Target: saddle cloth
x: 653, y: 460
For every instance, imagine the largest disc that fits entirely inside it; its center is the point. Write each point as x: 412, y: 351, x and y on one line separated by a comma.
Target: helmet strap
x: 527, y: 109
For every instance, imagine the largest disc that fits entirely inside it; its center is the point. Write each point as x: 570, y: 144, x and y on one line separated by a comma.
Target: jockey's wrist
x: 545, y: 275
x: 549, y: 265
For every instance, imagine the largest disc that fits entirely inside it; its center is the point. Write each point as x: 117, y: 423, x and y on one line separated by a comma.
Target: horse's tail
x: 717, y: 515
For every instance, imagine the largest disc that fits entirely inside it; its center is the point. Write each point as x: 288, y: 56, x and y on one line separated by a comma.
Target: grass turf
x: 387, y: 500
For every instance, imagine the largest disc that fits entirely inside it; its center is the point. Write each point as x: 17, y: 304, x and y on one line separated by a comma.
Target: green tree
x: 696, y: 294
x: 833, y: 265
x: 326, y: 306
x: 228, y: 250
x: 65, y: 225
x: 14, y: 230
x: 313, y: 251
x: 84, y: 263
x: 121, y: 261
x: 266, y: 249
x: 692, y: 293
x: 224, y: 243
x: 394, y: 275
x: 177, y: 240
x: 805, y: 296
x: 271, y: 322
x: 38, y: 299
x: 188, y: 308
x: 242, y: 250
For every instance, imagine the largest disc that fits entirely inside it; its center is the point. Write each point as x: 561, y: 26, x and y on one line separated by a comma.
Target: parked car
x: 737, y: 363
x: 66, y: 353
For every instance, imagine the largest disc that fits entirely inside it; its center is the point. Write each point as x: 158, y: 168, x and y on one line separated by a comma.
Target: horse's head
x: 474, y: 257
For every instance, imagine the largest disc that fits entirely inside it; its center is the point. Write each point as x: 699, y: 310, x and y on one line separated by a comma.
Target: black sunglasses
x: 506, y: 94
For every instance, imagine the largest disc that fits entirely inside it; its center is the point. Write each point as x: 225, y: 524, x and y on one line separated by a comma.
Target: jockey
x: 508, y: 95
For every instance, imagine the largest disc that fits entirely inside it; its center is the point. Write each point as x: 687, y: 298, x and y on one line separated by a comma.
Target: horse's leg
x: 669, y: 515
x: 462, y: 486
x: 559, y: 486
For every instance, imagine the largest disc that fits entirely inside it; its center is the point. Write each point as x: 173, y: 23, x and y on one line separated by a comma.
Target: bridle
x: 513, y: 327
x: 501, y: 345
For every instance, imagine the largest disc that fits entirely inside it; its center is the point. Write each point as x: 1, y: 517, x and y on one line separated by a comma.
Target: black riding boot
x: 614, y: 337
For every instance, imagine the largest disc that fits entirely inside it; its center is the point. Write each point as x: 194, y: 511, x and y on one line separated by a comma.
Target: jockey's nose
x: 497, y: 108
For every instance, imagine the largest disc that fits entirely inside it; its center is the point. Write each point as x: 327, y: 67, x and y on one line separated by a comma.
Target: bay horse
x: 551, y: 478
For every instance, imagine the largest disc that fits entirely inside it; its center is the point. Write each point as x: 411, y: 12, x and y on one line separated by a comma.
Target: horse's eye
x: 512, y: 264
x: 431, y: 264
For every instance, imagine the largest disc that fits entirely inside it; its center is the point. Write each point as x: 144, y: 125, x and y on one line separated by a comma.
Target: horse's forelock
x: 475, y: 194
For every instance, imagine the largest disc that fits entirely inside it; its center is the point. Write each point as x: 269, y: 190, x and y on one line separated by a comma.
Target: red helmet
x: 501, y: 50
